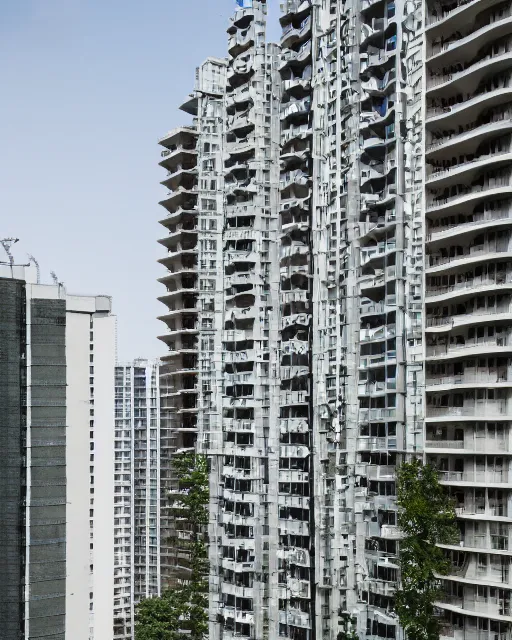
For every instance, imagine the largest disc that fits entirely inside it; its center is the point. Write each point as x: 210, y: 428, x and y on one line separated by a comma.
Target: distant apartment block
x: 136, y: 491
x: 57, y: 353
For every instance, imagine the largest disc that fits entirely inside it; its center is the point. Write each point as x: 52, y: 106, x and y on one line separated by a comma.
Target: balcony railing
x: 479, y: 445
x: 468, y: 190
x: 498, y: 408
x: 478, y: 218
x: 444, y: 349
x: 495, y: 477
x: 436, y: 260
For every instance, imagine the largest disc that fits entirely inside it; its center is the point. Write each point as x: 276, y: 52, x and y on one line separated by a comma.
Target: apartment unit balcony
x: 491, y: 372
x: 468, y: 441
x: 241, y: 123
x: 295, y: 110
x: 472, y: 311
x: 181, y: 199
x: 487, y: 478
x: 488, y: 607
x: 470, y: 344
x: 298, y: 84
x: 296, y: 32
x: 182, y: 174
x: 467, y: 167
x: 483, y: 247
x: 376, y: 251
x: 182, y: 235
x: 489, y: 24
x: 494, y: 60
x: 489, y: 184
x: 180, y: 148
x: 377, y: 388
x: 458, y: 110
x: 470, y: 407
x: 377, y: 334
x: 443, y: 229
x: 241, y: 40
x: 242, y: 95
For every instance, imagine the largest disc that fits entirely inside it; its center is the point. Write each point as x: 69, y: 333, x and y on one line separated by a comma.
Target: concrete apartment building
x: 57, y: 353
x: 136, y: 491
x: 358, y: 309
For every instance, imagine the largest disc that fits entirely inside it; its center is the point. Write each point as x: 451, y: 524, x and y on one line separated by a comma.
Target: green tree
x: 163, y: 618
x: 426, y: 518
x: 181, y: 614
x: 349, y: 626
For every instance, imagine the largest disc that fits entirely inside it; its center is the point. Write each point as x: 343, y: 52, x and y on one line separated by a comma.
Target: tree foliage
x: 181, y: 614
x: 349, y: 625
x: 426, y: 518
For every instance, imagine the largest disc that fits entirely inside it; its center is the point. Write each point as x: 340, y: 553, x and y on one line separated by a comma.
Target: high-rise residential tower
x: 361, y: 312
x: 57, y: 353
x: 136, y: 491
x: 190, y: 374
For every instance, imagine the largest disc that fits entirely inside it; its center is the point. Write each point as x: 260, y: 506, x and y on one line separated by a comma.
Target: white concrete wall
x: 77, y: 461
x: 103, y: 577
x: 82, y: 623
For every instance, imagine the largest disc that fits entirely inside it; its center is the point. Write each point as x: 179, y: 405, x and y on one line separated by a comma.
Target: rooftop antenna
x: 36, y: 263
x: 7, y: 244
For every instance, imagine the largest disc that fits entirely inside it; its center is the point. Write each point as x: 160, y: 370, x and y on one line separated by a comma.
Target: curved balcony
x: 468, y: 79
x: 296, y: 108
x: 484, y: 30
x: 377, y: 251
x: 179, y: 291
x: 449, y: 259
x: 180, y: 328
x: 241, y: 69
x: 241, y: 20
x: 294, y: 33
x: 187, y: 305
x: 461, y: 16
x: 180, y: 199
x: 497, y: 122
x: 241, y: 150
x: 296, y: 59
x: 241, y: 41
x: 468, y: 168
x: 374, y: 30
x: 186, y: 231
x: 241, y: 95
x: 179, y: 137
x: 465, y: 284
x: 294, y: 10
x: 182, y: 175
x: 378, y: 86
x: 298, y: 180
x: 443, y: 230
x: 496, y: 92
x: 295, y: 132
x: 464, y: 347
x: 489, y: 185
x: 241, y: 123
x: 297, y: 86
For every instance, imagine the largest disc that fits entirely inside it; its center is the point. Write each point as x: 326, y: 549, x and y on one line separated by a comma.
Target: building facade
x: 56, y: 422
x: 136, y: 491
x: 361, y: 311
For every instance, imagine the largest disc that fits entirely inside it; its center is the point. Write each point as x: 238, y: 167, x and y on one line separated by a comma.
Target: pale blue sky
x: 86, y: 89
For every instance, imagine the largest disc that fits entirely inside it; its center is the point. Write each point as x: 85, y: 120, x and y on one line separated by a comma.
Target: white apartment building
x: 136, y: 491
x: 361, y: 315
x: 57, y: 358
